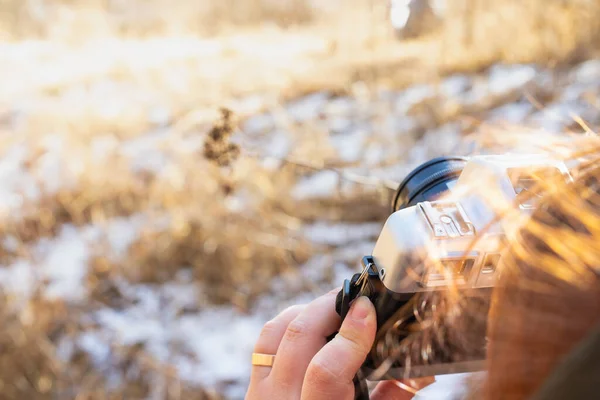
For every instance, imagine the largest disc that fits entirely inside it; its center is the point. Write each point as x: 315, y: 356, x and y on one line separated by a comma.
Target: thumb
x: 330, y: 373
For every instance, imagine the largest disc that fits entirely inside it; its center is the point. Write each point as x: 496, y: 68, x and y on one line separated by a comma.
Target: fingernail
x: 361, y: 308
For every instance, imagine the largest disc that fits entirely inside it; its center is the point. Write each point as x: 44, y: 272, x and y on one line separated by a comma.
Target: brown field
x: 174, y: 168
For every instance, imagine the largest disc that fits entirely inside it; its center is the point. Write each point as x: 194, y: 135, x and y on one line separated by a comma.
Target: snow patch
x: 320, y: 185
x: 17, y: 184
x: 506, y: 78
x: 63, y: 263
x: 339, y: 234
x: 514, y: 113
x: 308, y: 107
x: 19, y: 278
x: 587, y: 72
x: 121, y: 233
x: 349, y: 145
x: 413, y: 95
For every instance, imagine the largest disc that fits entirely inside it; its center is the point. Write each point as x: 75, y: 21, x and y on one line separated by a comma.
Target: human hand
x: 306, y: 367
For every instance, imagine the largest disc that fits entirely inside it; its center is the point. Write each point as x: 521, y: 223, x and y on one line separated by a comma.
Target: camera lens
x: 428, y: 181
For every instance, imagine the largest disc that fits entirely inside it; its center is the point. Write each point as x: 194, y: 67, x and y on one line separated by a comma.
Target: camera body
x: 451, y: 218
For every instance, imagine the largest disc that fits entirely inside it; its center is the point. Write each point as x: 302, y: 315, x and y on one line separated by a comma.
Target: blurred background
x: 174, y: 173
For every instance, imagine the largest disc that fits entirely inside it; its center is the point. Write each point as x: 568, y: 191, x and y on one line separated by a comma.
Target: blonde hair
x: 546, y: 300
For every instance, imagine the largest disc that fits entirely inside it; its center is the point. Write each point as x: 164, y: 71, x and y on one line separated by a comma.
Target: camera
x: 451, y: 218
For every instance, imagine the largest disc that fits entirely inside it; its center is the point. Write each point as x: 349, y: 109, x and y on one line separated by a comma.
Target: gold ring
x: 263, y: 360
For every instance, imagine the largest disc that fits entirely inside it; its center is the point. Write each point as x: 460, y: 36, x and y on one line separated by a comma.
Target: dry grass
x: 29, y: 367
x: 140, y: 18
x: 478, y: 33
x: 215, y: 208
x: 191, y: 223
x: 473, y: 35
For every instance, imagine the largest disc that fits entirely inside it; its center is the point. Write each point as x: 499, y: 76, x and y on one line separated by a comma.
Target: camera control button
x: 439, y: 230
x: 451, y: 229
x: 446, y: 219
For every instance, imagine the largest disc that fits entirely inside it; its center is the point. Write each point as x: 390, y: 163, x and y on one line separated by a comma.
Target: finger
x: 304, y: 337
x: 400, y: 390
x: 331, y: 371
x: 270, y: 338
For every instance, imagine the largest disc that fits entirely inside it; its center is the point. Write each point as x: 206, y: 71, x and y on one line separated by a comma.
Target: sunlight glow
x: 399, y: 13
